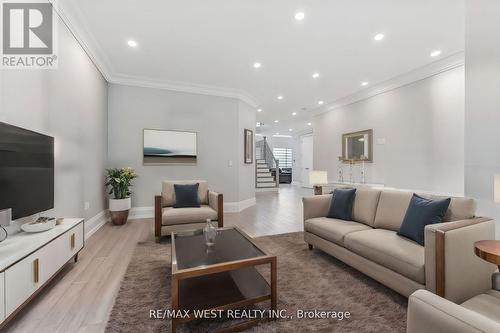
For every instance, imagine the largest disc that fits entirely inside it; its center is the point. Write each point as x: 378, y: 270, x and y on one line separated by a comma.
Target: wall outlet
x: 230, y: 163
x: 87, y: 205
x: 381, y: 141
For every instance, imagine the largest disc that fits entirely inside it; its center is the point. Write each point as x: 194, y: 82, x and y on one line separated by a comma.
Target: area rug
x: 307, y: 280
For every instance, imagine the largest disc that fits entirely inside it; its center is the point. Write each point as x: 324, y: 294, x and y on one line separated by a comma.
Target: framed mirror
x: 358, y: 146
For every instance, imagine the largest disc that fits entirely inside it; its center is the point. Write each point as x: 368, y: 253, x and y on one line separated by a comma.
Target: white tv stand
x: 28, y: 261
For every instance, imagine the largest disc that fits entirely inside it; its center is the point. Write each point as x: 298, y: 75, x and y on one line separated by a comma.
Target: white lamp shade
x: 318, y: 177
x: 497, y: 188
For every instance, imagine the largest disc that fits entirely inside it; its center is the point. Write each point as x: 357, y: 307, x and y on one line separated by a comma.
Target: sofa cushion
x: 365, y: 206
x: 171, y: 215
x: 391, y: 209
x: 422, y: 212
x: 487, y: 304
x: 342, y: 203
x: 460, y: 208
x: 386, y: 248
x: 168, y: 193
x: 333, y: 230
x: 186, y: 195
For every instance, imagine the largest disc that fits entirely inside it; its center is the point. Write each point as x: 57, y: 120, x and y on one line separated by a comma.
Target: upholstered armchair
x: 168, y: 218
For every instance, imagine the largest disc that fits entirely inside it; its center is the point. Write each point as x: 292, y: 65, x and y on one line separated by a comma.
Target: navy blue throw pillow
x: 420, y: 213
x: 342, y: 203
x: 186, y: 195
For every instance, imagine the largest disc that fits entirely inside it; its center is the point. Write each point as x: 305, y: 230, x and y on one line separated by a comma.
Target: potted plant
x: 118, y: 180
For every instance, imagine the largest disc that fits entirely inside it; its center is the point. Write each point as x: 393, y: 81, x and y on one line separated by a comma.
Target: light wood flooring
x: 81, y: 297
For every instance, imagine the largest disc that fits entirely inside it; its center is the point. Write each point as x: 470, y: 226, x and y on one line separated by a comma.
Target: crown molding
x: 84, y: 38
x: 434, y: 68
x: 186, y: 87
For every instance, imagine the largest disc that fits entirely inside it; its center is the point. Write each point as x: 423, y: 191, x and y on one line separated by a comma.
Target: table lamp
x: 316, y: 179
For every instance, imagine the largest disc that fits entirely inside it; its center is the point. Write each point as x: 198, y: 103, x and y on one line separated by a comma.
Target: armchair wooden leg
x: 220, y: 209
x: 310, y: 246
x: 157, y: 239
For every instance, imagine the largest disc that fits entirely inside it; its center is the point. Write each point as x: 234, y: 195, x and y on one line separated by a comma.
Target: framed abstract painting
x: 169, y: 147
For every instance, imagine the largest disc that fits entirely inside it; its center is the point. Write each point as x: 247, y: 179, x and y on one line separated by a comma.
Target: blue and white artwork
x: 165, y: 147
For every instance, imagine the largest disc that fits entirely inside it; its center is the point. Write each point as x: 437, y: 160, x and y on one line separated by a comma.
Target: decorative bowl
x: 39, y: 227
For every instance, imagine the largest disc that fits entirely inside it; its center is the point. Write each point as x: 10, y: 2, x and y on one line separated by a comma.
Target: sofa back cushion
x: 365, y: 206
x: 391, y: 209
x: 168, y: 193
x: 460, y: 208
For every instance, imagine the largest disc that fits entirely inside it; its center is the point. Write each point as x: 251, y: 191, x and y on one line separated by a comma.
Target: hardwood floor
x: 81, y: 297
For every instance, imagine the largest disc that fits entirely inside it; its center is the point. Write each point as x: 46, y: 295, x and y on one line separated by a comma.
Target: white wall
x: 482, y: 104
x: 69, y: 103
x: 423, y: 125
x: 219, y: 122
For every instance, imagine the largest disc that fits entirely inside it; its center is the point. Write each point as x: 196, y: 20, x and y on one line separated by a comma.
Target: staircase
x: 265, y: 168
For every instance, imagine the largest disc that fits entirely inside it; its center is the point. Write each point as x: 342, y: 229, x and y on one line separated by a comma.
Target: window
x: 284, y: 155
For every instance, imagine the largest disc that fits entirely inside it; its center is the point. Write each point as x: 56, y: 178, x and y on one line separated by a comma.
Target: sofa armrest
x: 452, y: 270
x: 430, y: 313
x: 158, y: 213
x: 316, y: 206
x: 216, y: 202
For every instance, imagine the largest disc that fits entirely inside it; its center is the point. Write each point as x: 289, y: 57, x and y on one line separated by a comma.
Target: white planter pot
x: 118, y: 205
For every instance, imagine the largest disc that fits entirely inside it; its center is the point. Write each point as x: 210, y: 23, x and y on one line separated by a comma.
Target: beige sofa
x: 430, y: 313
x: 446, y: 265
x: 169, y: 219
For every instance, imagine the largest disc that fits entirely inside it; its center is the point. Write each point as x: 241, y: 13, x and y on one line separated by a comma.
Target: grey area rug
x: 307, y: 280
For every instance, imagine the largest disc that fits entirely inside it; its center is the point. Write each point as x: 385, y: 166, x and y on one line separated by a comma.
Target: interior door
x: 306, y: 154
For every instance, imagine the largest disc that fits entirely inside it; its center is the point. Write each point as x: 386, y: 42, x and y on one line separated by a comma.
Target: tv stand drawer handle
x: 36, y: 270
x: 72, y: 241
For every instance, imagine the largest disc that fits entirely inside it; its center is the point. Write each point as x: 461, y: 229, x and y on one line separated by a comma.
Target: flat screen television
x: 26, y: 171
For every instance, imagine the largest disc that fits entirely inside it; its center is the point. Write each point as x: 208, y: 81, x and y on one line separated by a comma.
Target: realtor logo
x: 28, y: 35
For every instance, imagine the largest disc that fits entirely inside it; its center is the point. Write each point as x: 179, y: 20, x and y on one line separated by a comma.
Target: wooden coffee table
x: 220, y: 277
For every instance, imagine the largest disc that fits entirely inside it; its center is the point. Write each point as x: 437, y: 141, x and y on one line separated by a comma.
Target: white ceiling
x: 214, y: 44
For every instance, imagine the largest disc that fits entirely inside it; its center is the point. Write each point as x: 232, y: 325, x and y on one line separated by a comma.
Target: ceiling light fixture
x: 259, y: 110
x: 281, y: 136
x: 435, y: 53
x: 378, y: 37
x: 364, y: 84
x: 321, y: 102
x: 309, y: 124
x: 276, y: 121
x: 290, y: 130
x: 299, y: 16
x: 315, y: 75
x: 132, y: 43
x: 258, y: 124
x: 280, y: 97
x: 257, y: 65
x: 294, y: 113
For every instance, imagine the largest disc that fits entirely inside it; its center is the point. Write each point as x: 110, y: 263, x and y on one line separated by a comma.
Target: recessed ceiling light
x: 364, y: 84
x: 280, y: 97
x: 257, y: 65
x: 276, y: 121
x: 259, y: 110
x: 277, y: 134
x: 290, y: 130
x: 378, y: 36
x: 315, y: 75
x: 132, y: 43
x: 299, y: 16
x: 309, y: 124
x: 294, y: 113
x: 320, y: 102
x: 435, y: 53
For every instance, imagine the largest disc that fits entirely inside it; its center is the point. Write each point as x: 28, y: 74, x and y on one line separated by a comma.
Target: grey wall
x: 246, y: 172
x: 422, y: 124
x: 218, y: 121
x: 69, y: 103
x: 482, y: 103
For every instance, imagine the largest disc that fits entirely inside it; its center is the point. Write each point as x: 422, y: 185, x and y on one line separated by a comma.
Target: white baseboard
x: 229, y: 207
x: 267, y: 189
x: 236, y: 207
x: 95, y: 223
x: 141, y: 213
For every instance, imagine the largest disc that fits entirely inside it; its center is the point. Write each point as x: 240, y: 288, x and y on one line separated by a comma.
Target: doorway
x: 306, y: 158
